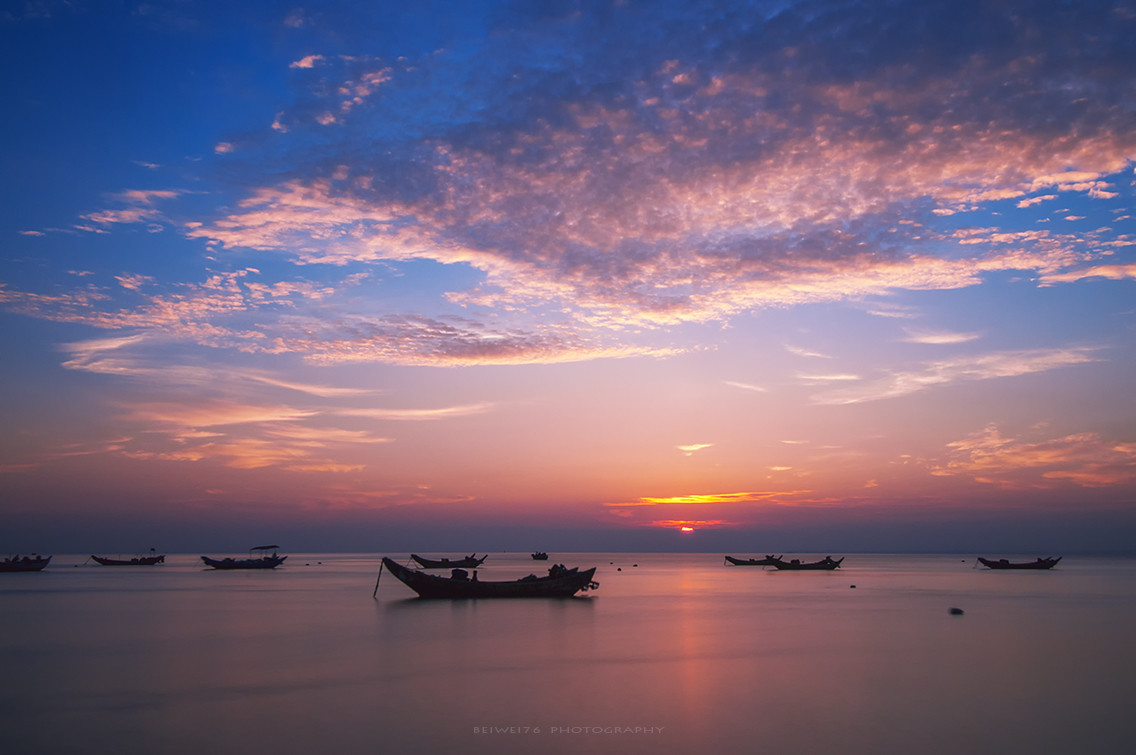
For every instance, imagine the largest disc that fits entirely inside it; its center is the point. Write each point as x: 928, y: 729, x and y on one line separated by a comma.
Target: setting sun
x: 686, y: 529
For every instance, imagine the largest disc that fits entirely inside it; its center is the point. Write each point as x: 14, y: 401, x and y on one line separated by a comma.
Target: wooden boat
x: 560, y: 583
x: 1040, y: 563
x: 469, y: 562
x: 267, y: 561
x: 825, y: 564
x: 767, y: 561
x: 540, y: 556
x: 27, y: 563
x: 136, y: 561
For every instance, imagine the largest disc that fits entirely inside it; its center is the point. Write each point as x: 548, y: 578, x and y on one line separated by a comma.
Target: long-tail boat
x: 1040, y: 563
x: 267, y: 561
x: 26, y: 563
x: 561, y: 582
x: 136, y: 561
x: 469, y: 562
x: 825, y: 564
x: 767, y: 561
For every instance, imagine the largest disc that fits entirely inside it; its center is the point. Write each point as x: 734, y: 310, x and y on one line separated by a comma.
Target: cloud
x: 140, y: 208
x: 703, y: 499
x: 938, y: 338
x: 212, y: 413
x: 745, y: 386
x: 616, y: 191
x: 689, y: 450
x: 694, y: 190
x: 803, y: 352
x: 420, y: 415
x: 958, y: 369
x: 1111, y: 272
x: 308, y: 61
x: 1082, y: 459
x: 1035, y: 200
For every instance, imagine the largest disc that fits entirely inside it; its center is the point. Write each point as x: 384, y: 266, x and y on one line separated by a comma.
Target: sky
x: 703, y: 276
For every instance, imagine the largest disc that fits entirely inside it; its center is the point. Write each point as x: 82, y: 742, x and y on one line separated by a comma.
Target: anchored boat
x: 561, y: 582
x: 469, y: 562
x: 1040, y: 563
x: 267, y: 561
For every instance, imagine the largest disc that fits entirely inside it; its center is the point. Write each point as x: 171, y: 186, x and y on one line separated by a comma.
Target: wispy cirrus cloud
x: 939, y: 337
x: 212, y: 413
x: 420, y: 415
x: 958, y: 369
x: 745, y: 386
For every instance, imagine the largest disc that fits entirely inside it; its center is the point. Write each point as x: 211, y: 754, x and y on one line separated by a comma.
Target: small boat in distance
x: 825, y: 564
x: 767, y: 561
x: 1040, y: 563
x: 150, y: 560
x: 27, y: 563
x: 540, y: 556
x: 469, y: 562
x: 267, y: 561
x: 561, y: 582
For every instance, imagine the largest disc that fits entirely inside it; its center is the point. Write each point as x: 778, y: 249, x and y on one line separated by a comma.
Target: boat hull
x: 140, y: 561
x: 225, y: 564
x: 469, y: 562
x: 1040, y: 564
x: 767, y: 561
x: 825, y: 564
x: 564, y: 585
x: 24, y: 564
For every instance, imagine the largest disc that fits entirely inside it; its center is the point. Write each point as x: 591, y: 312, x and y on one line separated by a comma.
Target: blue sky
x: 787, y: 274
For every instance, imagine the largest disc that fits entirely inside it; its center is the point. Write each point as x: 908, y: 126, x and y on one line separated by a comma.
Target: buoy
x: 956, y: 612
x: 852, y: 586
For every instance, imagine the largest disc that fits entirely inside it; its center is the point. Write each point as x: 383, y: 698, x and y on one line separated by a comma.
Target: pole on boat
x: 376, y: 592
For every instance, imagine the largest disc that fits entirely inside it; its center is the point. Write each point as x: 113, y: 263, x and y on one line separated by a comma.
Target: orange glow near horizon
x: 689, y: 525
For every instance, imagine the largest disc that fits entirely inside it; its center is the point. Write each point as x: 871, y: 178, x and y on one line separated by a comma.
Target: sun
x: 686, y: 529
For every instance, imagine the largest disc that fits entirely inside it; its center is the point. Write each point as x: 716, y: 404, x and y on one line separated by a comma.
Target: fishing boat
x: 561, y: 582
x: 1040, y: 563
x: 150, y: 560
x: 825, y: 564
x: 540, y: 556
x: 26, y: 563
x: 767, y: 561
x: 267, y: 561
x: 469, y: 562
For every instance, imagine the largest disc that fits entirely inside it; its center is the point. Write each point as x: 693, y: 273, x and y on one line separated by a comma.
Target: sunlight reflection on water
x: 678, y: 654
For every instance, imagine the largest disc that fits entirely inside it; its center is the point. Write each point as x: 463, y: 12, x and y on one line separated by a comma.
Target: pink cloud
x: 1083, y: 459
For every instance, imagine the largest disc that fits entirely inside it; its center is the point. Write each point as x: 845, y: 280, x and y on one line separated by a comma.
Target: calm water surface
x: 679, y: 654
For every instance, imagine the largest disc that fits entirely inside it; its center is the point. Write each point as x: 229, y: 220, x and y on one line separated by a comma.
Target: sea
x: 672, y: 653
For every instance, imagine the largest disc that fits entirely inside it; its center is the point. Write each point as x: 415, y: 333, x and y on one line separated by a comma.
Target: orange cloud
x: 1083, y: 459
x: 701, y: 499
